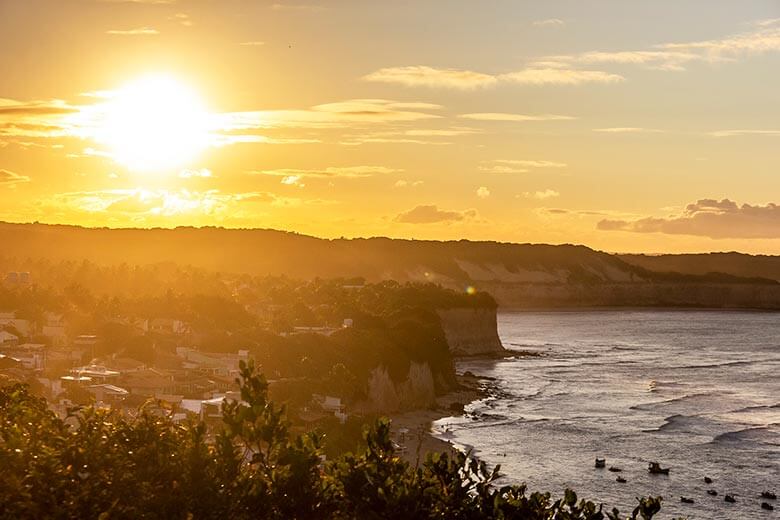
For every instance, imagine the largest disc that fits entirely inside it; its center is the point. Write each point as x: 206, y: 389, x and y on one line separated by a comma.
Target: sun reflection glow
x: 154, y: 124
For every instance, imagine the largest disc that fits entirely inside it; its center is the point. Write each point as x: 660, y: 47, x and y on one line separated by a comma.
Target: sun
x: 154, y: 124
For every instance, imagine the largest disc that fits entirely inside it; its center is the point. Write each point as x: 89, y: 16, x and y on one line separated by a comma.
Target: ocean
x: 696, y: 391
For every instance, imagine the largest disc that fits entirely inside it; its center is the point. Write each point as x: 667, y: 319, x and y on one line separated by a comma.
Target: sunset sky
x: 645, y: 126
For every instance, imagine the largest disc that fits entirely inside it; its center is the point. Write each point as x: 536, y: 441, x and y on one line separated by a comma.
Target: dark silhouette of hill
x: 518, y: 275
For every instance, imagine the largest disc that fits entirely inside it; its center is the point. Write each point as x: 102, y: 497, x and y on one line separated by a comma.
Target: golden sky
x: 648, y: 126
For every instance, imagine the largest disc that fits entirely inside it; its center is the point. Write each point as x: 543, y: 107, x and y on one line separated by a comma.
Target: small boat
x: 730, y: 499
x: 601, y: 463
x: 707, y: 480
x: 621, y: 480
x: 712, y: 492
x: 656, y: 469
x: 769, y: 495
x: 686, y: 500
x: 766, y: 506
x: 613, y: 469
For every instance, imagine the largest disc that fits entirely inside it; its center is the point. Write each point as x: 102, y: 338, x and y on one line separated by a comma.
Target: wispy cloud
x: 252, y: 44
x: 501, y: 116
x: 431, y: 214
x: 182, y: 19
x: 297, y: 7
x: 517, y: 165
x: 677, y: 56
x: 627, y: 130
x: 541, y: 195
x: 9, y: 178
x: 329, y: 172
x: 734, y: 133
x: 549, y: 22
x: 403, y: 183
x: 483, y: 192
x: 425, y: 76
x: 421, y: 75
x: 138, y: 31
x: 709, y: 218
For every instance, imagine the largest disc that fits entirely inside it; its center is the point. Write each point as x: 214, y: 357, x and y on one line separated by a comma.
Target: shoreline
x: 412, y: 430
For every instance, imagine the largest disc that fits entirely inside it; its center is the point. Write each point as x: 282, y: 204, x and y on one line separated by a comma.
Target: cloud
x: 144, y: 204
x: 297, y: 7
x: 501, y: 116
x: 627, y: 130
x: 560, y: 76
x: 430, y: 214
x: 9, y: 178
x: 708, y: 218
x: 330, y: 172
x: 331, y: 115
x: 138, y: 31
x: 549, y: 22
x: 517, y: 165
x: 182, y: 18
x: 483, y: 192
x: 676, y: 56
x: 194, y: 174
x: 252, y: 44
x: 541, y: 195
x: 425, y: 76
x: 403, y: 183
x: 734, y: 133
x: 11, y: 107
x: 421, y: 75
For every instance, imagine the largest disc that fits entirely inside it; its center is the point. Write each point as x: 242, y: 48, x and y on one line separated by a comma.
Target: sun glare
x: 154, y: 124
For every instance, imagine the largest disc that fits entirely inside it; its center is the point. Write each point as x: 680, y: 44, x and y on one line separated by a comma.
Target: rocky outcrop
x: 471, y: 331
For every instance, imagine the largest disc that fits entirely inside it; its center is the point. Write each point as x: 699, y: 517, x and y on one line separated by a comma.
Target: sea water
x: 696, y: 391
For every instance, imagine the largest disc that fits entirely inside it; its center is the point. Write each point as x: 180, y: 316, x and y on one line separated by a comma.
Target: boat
x: 601, y: 463
x: 712, y: 492
x: 730, y: 499
x: 613, y: 469
x: 686, y: 500
x: 769, y: 495
x: 621, y: 480
x: 707, y: 480
x: 656, y: 469
x: 768, y: 507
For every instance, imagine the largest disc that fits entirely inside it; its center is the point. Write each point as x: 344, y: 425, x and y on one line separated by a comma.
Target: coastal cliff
x: 471, y: 331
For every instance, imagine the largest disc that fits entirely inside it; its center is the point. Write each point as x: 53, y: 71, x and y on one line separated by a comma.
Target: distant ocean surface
x: 697, y: 391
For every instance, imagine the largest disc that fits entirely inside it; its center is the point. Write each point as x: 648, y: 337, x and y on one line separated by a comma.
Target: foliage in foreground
x: 97, y: 464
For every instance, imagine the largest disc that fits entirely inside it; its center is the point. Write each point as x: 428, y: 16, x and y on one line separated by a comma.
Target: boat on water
x: 601, y: 463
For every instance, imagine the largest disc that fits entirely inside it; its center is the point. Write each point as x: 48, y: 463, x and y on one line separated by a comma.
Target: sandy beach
x: 412, y: 430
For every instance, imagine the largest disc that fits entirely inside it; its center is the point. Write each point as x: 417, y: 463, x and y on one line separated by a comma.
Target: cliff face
x: 471, y: 332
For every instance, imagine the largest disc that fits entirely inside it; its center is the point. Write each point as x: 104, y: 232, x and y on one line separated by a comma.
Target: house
x: 124, y: 365
x: 96, y: 372
x: 17, y: 278
x: 7, y: 339
x: 9, y: 319
x: 108, y: 394
x: 66, y: 356
x: 31, y: 355
x: 214, y: 363
x: 149, y: 382
x: 169, y: 327
x: 86, y: 343
x: 332, y: 405
x: 54, y: 330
